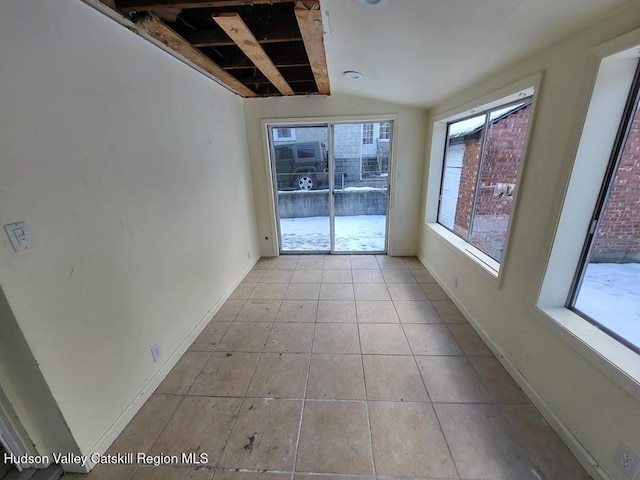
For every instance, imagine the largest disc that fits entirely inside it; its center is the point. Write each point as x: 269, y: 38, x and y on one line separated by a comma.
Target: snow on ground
x: 610, y: 294
x: 358, y: 233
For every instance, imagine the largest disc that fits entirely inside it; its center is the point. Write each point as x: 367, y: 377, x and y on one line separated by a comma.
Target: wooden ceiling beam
x: 234, y: 26
x: 157, y: 29
x: 309, y: 19
x: 127, y: 6
x: 216, y: 38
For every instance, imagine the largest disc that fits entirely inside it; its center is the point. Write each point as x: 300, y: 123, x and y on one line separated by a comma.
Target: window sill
x: 613, y: 359
x: 468, y: 251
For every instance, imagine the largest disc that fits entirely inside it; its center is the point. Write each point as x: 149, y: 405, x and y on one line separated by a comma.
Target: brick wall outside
x: 470, y: 162
x: 618, y: 239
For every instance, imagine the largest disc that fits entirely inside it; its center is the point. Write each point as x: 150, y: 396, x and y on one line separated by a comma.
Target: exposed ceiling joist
x: 216, y: 38
x: 234, y: 26
x: 161, y: 32
x: 310, y: 23
x: 127, y: 6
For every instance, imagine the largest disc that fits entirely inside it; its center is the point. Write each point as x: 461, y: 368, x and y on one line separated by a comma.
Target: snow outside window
x: 607, y: 287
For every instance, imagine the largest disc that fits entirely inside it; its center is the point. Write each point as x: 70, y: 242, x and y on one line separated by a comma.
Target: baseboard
x: 582, y: 455
x: 102, y: 445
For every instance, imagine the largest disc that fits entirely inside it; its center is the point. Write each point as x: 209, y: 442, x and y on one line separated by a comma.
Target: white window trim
x: 612, y: 68
x: 511, y: 93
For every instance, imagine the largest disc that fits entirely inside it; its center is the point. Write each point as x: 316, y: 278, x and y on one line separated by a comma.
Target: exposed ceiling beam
x: 310, y: 23
x: 161, y: 32
x: 126, y: 6
x: 234, y: 26
x: 216, y: 38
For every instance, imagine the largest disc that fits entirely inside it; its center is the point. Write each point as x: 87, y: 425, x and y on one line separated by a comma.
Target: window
x: 284, y: 134
x: 385, y: 130
x: 483, y: 154
x: 367, y: 133
x: 606, y: 290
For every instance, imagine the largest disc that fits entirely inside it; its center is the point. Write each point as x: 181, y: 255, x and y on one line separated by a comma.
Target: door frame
x: 328, y: 122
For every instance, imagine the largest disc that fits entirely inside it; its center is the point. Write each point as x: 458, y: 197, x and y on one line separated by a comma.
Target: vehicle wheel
x: 305, y: 182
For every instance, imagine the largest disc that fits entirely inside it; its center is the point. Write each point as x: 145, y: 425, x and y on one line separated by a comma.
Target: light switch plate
x: 20, y: 235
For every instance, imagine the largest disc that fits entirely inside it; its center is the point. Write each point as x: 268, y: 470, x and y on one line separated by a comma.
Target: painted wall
x: 132, y: 171
x: 591, y: 407
x: 410, y: 131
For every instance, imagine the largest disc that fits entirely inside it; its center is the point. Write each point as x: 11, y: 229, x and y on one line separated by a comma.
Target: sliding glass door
x: 331, y: 186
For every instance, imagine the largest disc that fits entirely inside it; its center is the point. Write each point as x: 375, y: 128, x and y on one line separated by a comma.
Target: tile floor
x: 338, y: 367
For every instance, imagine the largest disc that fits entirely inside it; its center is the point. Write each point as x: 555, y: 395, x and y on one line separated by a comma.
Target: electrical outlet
x: 628, y: 461
x: 155, y: 352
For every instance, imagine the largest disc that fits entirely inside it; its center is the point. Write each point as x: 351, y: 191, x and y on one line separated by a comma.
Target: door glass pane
x: 361, y: 153
x: 300, y: 170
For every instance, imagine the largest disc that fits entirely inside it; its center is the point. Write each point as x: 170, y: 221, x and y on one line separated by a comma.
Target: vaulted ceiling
x: 417, y: 52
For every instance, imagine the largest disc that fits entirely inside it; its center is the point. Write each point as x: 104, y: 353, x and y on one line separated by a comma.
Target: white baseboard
x: 582, y: 455
x: 102, y: 445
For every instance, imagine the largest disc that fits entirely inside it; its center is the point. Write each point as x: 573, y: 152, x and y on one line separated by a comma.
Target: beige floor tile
x: 406, y: 291
x: 276, y: 276
x: 336, y: 338
x: 551, y: 456
x: 416, y: 311
x: 311, y: 263
x: 210, y: 337
x: 452, y: 380
x: 500, y: 385
x: 280, y: 375
x: 105, y: 472
x: 269, y: 291
x: 172, y: 473
x: 285, y: 262
x: 264, y: 263
x: 307, y: 276
x: 448, y: 312
x: 434, y: 291
x: 389, y: 263
x: 226, y: 375
x: 335, y: 376
x: 264, y: 436
x: 408, y: 441
x: 480, y: 443
x: 338, y: 262
x: 335, y: 438
x: 371, y: 291
x: 468, y: 340
x: 383, y: 339
x: 229, y: 311
x: 336, y: 311
x: 336, y: 276
x: 245, y: 337
x: 290, y: 338
x: 413, y: 263
x: 199, y: 425
x: 422, y: 276
x: 364, y: 264
x: 144, y: 428
x: 259, y: 311
x: 253, y: 276
x: 233, y: 475
x: 297, y: 311
x: 336, y: 291
x: 243, y: 291
x: 431, y: 339
x: 398, y: 276
x: 182, y: 376
x: 306, y: 476
x: 302, y: 291
x: 370, y: 311
x: 393, y: 378
x: 367, y: 276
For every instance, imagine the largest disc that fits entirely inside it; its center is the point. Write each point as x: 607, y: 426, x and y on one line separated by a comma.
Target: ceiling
x: 416, y: 52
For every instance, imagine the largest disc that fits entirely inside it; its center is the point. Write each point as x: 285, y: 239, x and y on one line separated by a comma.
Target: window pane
x: 499, y: 171
x: 610, y: 288
x: 462, y: 159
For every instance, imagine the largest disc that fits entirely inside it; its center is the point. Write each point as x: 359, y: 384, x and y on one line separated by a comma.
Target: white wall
x: 409, y: 134
x: 132, y: 171
x: 592, y: 409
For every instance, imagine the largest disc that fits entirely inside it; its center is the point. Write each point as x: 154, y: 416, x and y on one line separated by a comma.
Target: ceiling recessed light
x: 353, y: 75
